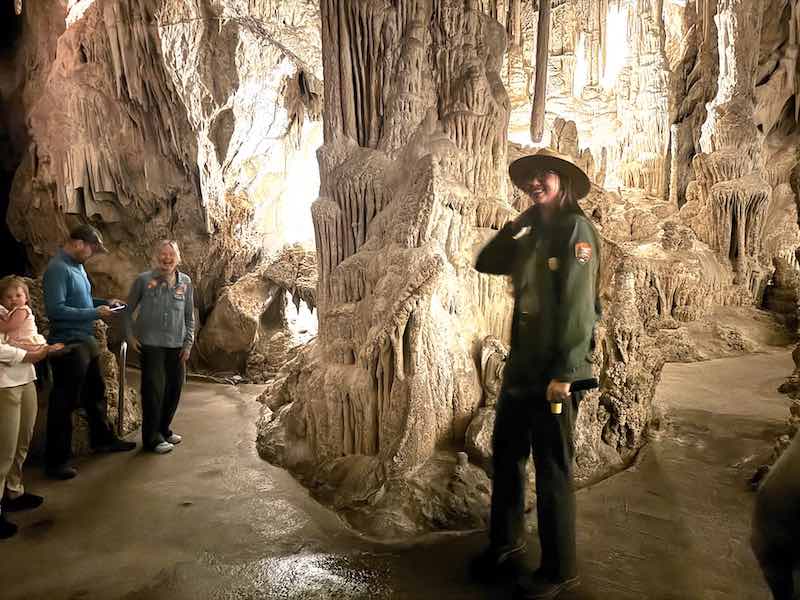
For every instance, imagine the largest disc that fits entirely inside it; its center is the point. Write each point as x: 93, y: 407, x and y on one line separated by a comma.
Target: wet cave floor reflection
x: 212, y: 520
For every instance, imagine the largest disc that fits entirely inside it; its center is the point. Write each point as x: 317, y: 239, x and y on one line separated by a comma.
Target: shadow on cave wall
x: 12, y: 135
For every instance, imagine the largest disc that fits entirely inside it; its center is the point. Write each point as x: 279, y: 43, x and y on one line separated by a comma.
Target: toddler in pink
x: 16, y: 317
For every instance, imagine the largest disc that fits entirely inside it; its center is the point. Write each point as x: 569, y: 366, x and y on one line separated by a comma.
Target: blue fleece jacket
x: 68, y: 300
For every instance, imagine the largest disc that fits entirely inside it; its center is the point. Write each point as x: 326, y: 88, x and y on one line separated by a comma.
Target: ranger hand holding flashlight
x: 552, y: 253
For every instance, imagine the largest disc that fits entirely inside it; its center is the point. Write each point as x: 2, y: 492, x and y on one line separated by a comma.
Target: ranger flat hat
x: 90, y: 235
x: 545, y: 159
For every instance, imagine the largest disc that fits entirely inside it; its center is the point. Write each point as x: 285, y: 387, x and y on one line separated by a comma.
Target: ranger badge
x: 583, y: 252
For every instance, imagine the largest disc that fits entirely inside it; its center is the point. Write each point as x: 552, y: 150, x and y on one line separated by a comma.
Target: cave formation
x: 348, y: 158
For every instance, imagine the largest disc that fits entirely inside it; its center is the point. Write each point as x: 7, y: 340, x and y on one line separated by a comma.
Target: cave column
x: 730, y: 162
x: 738, y: 24
x: 415, y: 127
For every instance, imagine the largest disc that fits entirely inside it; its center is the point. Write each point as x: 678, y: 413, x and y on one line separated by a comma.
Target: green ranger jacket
x: 554, y: 268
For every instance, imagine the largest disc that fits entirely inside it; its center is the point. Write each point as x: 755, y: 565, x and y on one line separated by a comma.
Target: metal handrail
x: 123, y: 361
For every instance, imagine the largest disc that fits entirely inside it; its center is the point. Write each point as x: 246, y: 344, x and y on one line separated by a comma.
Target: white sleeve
x: 10, y: 355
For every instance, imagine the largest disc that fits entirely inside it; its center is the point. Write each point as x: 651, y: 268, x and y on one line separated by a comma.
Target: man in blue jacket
x: 77, y: 377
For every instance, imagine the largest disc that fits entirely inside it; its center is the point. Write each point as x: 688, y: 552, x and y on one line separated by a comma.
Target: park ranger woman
x: 552, y: 253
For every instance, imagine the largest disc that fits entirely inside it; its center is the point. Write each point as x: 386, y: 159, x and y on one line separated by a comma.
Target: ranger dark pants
x: 162, y: 381
x: 524, y: 423
x: 77, y: 381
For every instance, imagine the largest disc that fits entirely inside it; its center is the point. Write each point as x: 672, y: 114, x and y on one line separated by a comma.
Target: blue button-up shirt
x: 68, y: 300
x: 166, y: 315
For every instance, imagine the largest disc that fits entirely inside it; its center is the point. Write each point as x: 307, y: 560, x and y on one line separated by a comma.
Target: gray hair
x: 160, y: 246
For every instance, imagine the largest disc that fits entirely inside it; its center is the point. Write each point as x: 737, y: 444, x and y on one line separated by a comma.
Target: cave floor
x: 212, y: 520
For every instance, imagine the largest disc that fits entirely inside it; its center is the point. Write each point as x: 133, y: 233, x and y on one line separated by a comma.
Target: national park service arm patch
x: 583, y: 252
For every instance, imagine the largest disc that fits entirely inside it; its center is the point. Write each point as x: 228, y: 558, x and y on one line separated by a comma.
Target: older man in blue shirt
x: 78, y: 380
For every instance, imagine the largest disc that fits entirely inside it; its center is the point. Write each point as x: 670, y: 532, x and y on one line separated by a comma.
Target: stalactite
x: 515, y: 21
x: 794, y: 40
x: 540, y: 84
x: 603, y: 25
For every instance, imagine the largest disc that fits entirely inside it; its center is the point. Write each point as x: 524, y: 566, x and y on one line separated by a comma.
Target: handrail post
x: 123, y: 360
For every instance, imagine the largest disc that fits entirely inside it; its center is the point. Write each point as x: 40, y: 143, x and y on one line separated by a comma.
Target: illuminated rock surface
x: 379, y: 406
x: 200, y: 121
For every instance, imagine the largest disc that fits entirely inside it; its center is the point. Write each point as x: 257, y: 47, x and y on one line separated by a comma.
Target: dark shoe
x: 7, y: 529
x: 116, y: 445
x: 24, y: 502
x: 540, y: 587
x: 490, y: 565
x: 62, y: 472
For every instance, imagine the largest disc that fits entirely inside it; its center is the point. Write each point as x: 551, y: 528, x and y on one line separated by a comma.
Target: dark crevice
x: 10, y: 30
x: 13, y: 253
x: 733, y: 252
x: 12, y: 140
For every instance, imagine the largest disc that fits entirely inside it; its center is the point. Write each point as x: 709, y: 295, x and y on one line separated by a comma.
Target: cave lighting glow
x: 581, y: 77
x: 301, y: 187
x: 301, y: 321
x: 616, y: 50
x: 76, y: 9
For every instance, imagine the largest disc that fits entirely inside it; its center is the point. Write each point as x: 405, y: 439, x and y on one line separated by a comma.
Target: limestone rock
x: 232, y: 329
x: 478, y: 442
x: 493, y: 361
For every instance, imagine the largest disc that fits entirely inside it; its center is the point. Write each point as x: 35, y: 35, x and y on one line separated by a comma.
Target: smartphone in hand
x: 118, y: 307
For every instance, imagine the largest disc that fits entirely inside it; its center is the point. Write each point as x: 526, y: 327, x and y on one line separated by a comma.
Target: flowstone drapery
x: 413, y: 166
x: 746, y: 144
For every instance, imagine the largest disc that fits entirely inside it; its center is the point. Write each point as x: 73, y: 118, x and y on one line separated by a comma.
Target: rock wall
x: 155, y: 119
x: 248, y: 329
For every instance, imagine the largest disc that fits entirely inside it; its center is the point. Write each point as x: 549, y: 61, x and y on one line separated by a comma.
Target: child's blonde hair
x: 14, y: 281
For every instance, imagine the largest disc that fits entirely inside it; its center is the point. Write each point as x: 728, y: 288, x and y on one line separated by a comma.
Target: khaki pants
x: 17, y: 417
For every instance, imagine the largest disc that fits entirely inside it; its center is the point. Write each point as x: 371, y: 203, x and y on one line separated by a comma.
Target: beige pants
x: 17, y: 418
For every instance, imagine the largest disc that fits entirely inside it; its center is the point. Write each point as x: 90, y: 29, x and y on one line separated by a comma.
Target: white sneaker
x: 163, y: 448
x: 174, y: 439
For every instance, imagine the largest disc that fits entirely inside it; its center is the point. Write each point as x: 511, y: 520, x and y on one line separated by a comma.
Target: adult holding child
x: 77, y: 377
x: 18, y: 407
x: 162, y: 332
